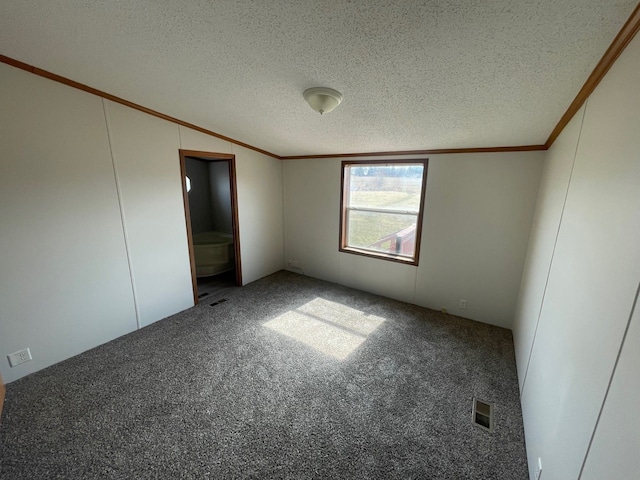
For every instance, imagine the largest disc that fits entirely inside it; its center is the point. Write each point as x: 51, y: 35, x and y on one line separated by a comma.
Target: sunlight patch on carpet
x: 328, y: 327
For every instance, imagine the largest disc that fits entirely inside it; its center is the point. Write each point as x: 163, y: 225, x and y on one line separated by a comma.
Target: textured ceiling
x: 414, y: 74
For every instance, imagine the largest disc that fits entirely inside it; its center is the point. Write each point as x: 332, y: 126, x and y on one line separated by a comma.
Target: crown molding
x: 624, y: 37
x: 127, y: 103
x: 618, y: 45
x: 523, y: 148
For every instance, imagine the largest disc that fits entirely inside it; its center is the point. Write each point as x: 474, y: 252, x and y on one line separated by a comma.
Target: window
x: 381, y: 208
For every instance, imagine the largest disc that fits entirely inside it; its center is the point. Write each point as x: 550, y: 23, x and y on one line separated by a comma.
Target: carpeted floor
x: 290, y: 377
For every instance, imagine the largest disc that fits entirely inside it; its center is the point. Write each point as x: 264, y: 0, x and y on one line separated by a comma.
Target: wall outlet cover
x: 21, y: 356
x: 538, y: 473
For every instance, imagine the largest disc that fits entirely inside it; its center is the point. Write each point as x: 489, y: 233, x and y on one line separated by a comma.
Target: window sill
x: 380, y: 256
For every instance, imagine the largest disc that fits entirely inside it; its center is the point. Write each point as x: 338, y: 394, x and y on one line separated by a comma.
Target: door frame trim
x: 231, y: 161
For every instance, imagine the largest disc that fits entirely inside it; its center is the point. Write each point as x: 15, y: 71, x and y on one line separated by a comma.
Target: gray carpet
x: 291, y: 377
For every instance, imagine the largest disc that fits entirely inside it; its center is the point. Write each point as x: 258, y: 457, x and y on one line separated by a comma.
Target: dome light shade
x: 322, y: 99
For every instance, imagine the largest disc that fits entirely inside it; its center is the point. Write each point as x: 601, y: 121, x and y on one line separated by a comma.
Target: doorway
x: 211, y: 212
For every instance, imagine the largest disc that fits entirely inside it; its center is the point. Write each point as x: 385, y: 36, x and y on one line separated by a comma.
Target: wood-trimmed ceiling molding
x: 624, y: 37
x: 126, y: 103
x: 618, y: 45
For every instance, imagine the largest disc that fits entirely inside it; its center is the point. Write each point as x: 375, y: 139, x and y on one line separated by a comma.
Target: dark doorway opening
x: 211, y: 213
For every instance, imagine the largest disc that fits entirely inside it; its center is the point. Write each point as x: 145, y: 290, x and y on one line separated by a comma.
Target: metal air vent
x: 483, y: 414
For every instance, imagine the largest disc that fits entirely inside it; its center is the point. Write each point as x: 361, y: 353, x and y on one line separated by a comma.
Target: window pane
x: 394, y: 187
x: 382, y: 232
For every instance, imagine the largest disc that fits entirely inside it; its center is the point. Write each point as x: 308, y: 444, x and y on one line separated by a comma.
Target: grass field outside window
x: 380, y: 201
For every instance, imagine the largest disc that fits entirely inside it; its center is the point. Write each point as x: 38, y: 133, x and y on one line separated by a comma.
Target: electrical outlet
x: 21, y: 356
x: 463, y: 303
x: 294, y: 263
x: 538, y: 473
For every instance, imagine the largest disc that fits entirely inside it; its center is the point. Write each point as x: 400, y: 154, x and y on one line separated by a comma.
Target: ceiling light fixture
x: 322, y: 99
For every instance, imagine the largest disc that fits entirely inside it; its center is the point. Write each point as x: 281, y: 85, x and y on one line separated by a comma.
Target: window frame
x: 344, y: 184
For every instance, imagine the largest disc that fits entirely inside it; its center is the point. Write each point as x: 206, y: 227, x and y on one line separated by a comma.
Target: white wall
x: 64, y: 276
x: 477, y: 219
x: 477, y: 223
x: 593, y: 275
x: 546, y: 223
x: 93, y: 235
x: 616, y: 443
x: 259, y: 179
x: 145, y: 153
x: 197, y: 141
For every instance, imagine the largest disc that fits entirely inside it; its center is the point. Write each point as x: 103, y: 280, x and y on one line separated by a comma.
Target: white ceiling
x: 414, y: 74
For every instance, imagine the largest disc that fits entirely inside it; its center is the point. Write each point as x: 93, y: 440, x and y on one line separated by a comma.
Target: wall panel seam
x: 613, y: 372
x: 553, y: 252
x: 125, y: 234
